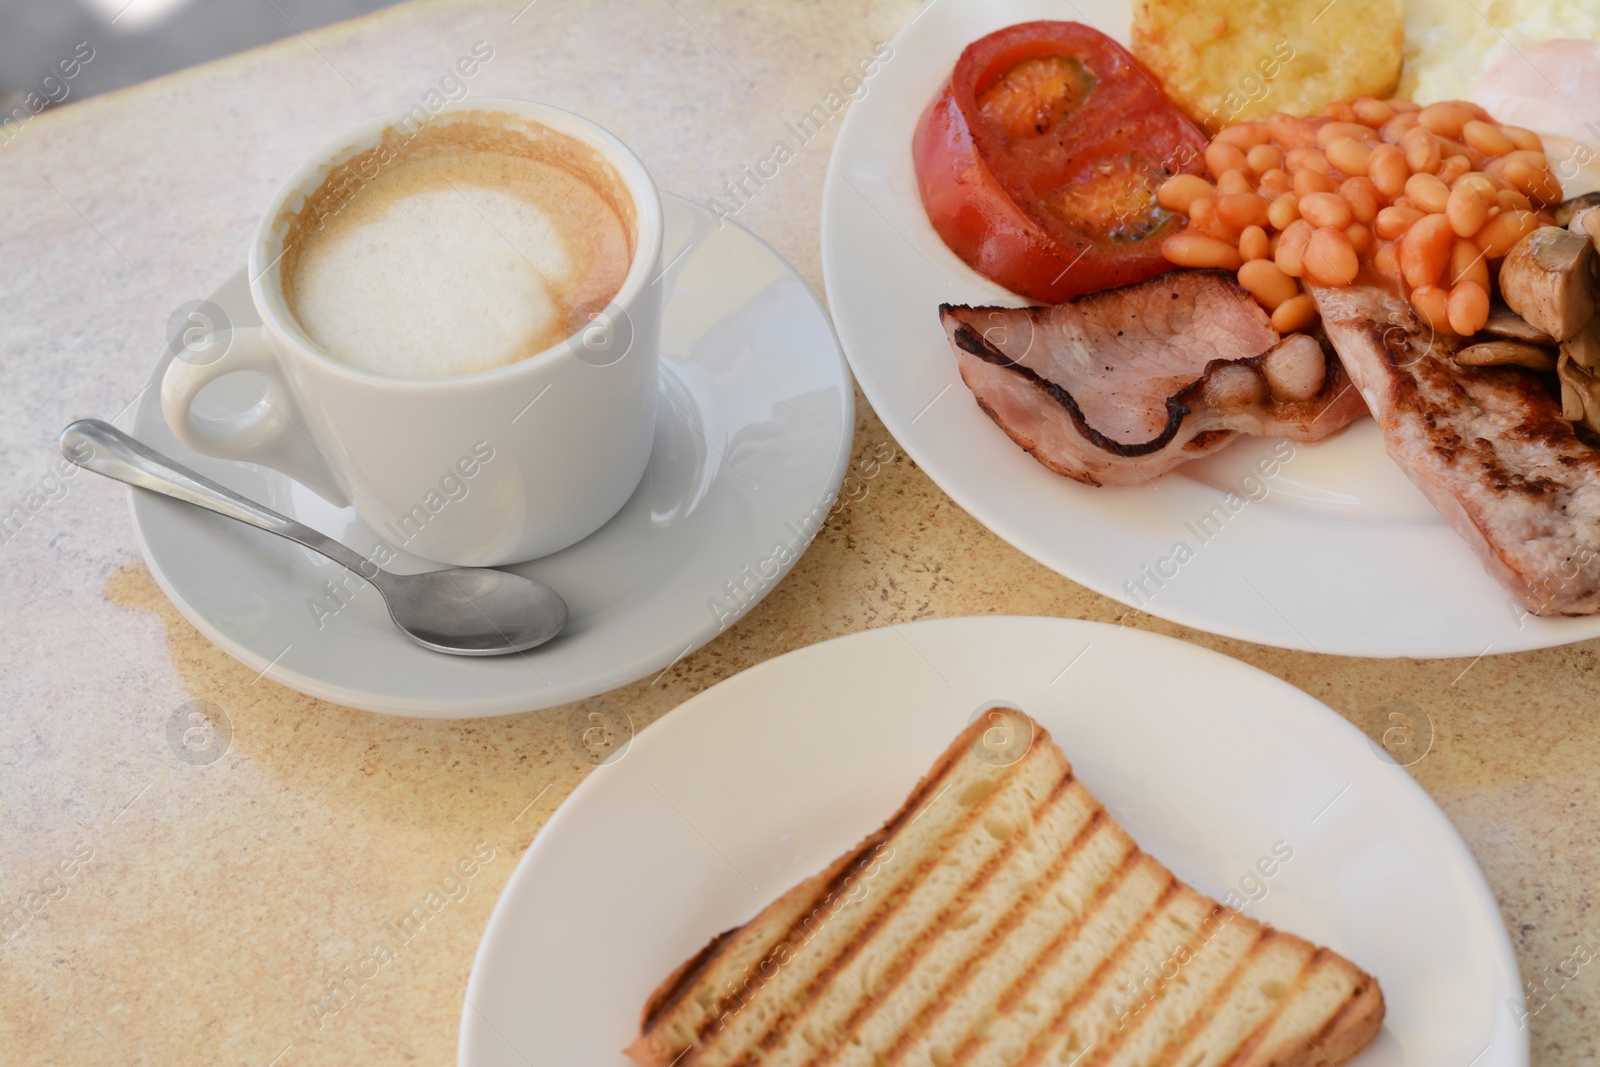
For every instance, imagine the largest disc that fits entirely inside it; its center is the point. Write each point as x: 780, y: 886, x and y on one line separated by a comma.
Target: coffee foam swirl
x: 478, y: 240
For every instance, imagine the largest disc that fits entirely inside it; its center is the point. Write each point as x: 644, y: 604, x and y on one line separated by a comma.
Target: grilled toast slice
x: 1001, y: 916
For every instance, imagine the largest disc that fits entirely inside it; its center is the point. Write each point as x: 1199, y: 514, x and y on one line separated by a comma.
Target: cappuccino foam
x: 467, y: 245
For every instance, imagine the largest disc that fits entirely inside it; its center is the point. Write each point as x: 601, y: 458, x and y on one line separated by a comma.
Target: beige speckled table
x: 172, y: 912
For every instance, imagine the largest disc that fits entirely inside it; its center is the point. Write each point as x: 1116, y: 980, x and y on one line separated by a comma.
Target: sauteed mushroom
x: 1549, y: 279
x: 1509, y: 326
x: 1507, y: 354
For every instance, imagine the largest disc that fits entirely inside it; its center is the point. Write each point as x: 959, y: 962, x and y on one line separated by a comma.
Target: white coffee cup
x: 478, y: 469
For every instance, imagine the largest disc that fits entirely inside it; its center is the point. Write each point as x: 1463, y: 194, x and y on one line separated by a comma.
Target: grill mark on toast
x: 926, y: 790
x: 1065, y: 937
x: 891, y: 902
x: 785, y: 1021
x: 1248, y: 1046
x: 1345, y: 1008
x: 963, y: 977
x: 683, y: 978
x: 1193, y: 946
x: 905, y: 962
x: 1107, y: 965
x: 1198, y: 1020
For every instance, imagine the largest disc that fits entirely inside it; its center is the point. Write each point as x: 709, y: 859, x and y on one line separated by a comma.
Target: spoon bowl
x: 473, y: 611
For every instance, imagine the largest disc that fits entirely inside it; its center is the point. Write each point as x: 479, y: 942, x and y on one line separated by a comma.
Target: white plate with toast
x: 1219, y: 771
x: 1333, y: 551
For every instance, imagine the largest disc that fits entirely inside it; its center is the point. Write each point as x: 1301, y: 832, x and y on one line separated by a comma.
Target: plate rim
x: 1320, y: 719
x: 470, y: 708
x: 1547, y: 631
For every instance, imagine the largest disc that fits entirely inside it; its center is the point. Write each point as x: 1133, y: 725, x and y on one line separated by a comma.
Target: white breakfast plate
x: 751, y: 444
x: 1343, y: 554
x: 763, y: 779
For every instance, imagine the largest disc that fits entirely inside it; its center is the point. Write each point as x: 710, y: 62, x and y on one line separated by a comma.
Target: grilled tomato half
x: 1039, y: 161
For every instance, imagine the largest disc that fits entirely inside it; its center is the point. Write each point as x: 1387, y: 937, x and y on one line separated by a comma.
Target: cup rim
x: 648, y: 224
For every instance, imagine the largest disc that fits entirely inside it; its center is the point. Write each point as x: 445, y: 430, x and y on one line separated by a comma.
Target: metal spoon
x: 466, y: 611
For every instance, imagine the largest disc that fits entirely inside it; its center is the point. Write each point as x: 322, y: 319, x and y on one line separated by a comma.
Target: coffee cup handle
x: 270, y: 433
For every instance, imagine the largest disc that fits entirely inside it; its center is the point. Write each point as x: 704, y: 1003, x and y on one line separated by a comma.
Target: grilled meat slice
x: 1487, y: 445
x: 1117, y: 387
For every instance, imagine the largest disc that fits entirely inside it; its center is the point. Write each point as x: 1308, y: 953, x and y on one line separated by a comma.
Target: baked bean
x: 1425, y: 250
x: 1453, y: 168
x: 1336, y: 131
x: 1393, y: 222
x: 1181, y: 190
x: 1312, y: 181
x: 1222, y: 157
x: 1300, y: 159
x: 1531, y: 156
x: 1403, y: 106
x: 1235, y: 181
x: 1476, y: 110
x: 1449, y: 149
x: 1203, y: 218
x: 1446, y: 117
x: 1523, y: 138
x: 1244, y: 135
x: 1372, y: 112
x: 1432, y: 305
x: 1487, y: 138
x: 1422, y: 151
x: 1468, y: 309
x: 1291, y: 132
x: 1503, y: 231
x: 1283, y: 210
x: 1265, y: 157
x: 1330, y: 258
x: 1197, y: 250
x: 1253, y: 244
x: 1263, y: 280
x: 1362, y: 196
x: 1386, y: 261
x: 1360, y: 238
x: 1325, y: 209
x: 1428, y: 192
x: 1340, y: 111
x: 1241, y: 209
x: 1290, y: 253
x: 1387, y: 168
x: 1349, y: 155
x: 1468, y: 264
x: 1511, y: 200
x: 1468, y: 207
x: 1295, y: 313
x: 1274, y: 183
x: 1395, y: 129
x: 1534, y: 182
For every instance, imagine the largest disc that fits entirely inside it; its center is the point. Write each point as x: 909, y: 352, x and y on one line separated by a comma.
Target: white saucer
x: 763, y: 779
x: 1340, y: 554
x: 750, y: 446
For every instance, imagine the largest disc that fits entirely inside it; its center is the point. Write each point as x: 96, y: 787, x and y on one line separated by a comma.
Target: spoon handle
x: 100, y: 447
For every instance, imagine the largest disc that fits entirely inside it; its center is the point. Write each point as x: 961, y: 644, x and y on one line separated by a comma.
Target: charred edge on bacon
x: 972, y: 342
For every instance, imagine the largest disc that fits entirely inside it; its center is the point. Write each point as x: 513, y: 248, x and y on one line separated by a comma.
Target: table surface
x: 206, y: 907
